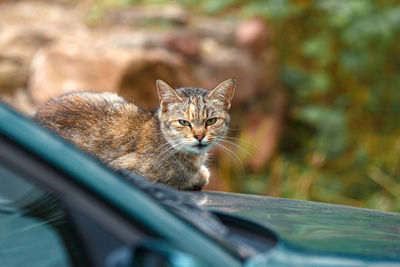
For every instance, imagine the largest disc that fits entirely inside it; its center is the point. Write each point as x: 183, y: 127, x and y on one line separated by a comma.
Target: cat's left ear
x: 166, y: 94
x: 224, y: 92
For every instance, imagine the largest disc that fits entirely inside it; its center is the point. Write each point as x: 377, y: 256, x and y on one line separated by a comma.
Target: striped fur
x: 153, y: 144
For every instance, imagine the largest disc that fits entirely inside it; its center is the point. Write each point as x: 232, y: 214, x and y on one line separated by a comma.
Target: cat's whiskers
x: 235, y: 145
x: 232, y: 129
x: 176, y: 148
x: 231, y: 154
x: 161, y: 151
x: 166, y: 153
x: 161, y: 148
x: 241, y: 140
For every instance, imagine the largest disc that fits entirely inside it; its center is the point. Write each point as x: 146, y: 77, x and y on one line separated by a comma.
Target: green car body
x: 307, y: 233
x: 317, y: 234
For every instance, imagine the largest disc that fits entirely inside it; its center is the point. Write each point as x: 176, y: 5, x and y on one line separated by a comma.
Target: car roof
x: 315, y: 226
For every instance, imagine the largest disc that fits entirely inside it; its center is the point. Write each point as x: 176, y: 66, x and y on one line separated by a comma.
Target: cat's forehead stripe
x: 200, y: 108
x: 196, y: 108
x: 191, y: 111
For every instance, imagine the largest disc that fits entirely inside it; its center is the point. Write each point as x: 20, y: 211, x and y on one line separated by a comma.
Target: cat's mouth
x: 200, y: 145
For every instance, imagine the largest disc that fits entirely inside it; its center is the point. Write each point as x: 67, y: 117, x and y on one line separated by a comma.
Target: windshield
x: 28, y: 215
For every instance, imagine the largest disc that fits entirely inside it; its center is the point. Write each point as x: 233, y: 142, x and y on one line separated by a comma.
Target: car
x: 62, y: 207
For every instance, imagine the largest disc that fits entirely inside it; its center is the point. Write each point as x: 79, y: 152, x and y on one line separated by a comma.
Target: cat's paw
x: 204, y: 174
x: 202, y: 179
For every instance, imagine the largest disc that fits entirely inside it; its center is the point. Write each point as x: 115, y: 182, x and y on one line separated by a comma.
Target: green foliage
x: 339, y: 62
x: 346, y: 88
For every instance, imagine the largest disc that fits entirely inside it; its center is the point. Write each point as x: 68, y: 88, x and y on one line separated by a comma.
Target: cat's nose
x: 199, y: 137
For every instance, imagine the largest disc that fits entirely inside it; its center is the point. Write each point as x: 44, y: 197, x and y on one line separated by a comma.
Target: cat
x: 167, y: 145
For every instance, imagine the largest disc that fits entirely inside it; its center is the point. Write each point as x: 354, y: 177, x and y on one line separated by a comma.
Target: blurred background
x: 316, y: 110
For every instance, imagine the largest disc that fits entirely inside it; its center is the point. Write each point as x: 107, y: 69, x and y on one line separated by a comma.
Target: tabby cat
x: 167, y: 145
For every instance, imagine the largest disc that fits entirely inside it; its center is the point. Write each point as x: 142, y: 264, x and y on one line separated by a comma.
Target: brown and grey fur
x: 152, y: 144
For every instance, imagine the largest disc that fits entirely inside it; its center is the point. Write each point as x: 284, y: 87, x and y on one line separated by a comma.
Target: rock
x: 12, y: 75
x: 221, y: 31
x: 26, y: 27
x: 252, y: 35
x: 17, y: 47
x: 131, y: 72
x: 143, y: 15
x: 144, y: 66
x: 183, y: 42
x: 46, y: 17
x: 73, y: 57
x: 69, y: 67
x: 122, y: 39
x: 21, y: 42
x: 219, y: 63
x: 21, y: 101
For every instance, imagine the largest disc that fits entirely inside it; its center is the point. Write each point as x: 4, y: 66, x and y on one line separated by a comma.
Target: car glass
x: 34, y: 230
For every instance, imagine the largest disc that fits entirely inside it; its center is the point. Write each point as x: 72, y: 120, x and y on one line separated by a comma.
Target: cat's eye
x: 184, y: 123
x: 211, y: 121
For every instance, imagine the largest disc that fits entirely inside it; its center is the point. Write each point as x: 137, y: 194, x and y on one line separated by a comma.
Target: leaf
x: 331, y: 128
x: 274, y: 9
x: 318, y: 48
x: 320, y: 82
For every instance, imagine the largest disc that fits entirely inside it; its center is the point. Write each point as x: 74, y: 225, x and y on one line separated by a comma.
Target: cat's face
x: 194, y: 119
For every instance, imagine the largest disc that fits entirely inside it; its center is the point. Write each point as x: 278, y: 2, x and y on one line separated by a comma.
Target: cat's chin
x: 197, y: 149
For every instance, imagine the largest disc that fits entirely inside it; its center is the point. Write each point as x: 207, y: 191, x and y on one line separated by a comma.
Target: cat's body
x: 167, y: 145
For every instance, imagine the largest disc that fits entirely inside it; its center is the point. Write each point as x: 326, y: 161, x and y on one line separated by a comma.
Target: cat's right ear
x: 166, y: 94
x: 224, y: 92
